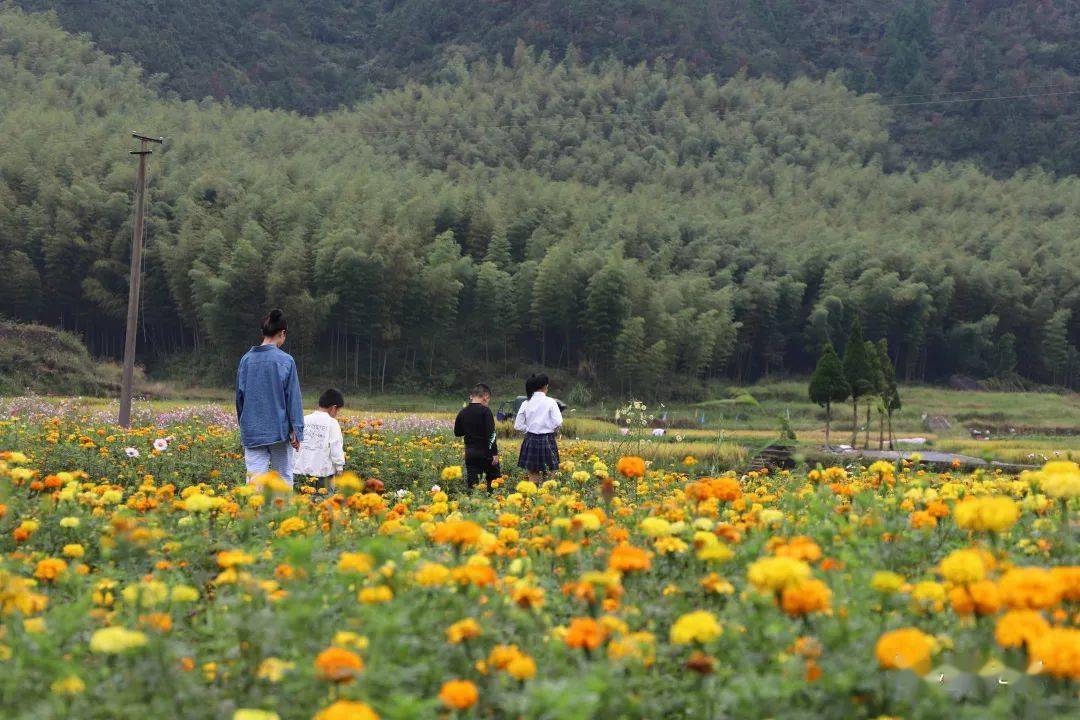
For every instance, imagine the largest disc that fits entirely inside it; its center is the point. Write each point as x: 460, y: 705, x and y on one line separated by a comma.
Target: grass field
x: 1023, y: 428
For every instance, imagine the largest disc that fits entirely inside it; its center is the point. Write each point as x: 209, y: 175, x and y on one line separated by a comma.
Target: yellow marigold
x: 805, y: 597
x: 963, y: 566
x: 251, y: 714
x: 502, y: 655
x: 1019, y: 627
x: 929, y: 594
x: 1057, y: 652
x: 73, y: 550
x: 699, y: 626
x: 587, y: 521
x: 637, y: 646
x: 463, y: 630
x: 199, y: 503
x: 232, y: 558
x: 451, y: 473
x: 905, y: 649
x: 291, y: 526
x: 459, y: 694
x: 355, y: 562
x: 338, y: 664
x: 432, y: 574
x: 631, y: 466
x: 715, y: 553
x: 775, y: 573
x: 522, y: 668
x: 374, y: 595
x: 1060, y: 479
x: 996, y: 514
x: 49, y: 569
x: 457, y: 532
x: 887, y: 582
x: 184, y: 594
x: 585, y: 633
x: 146, y: 593
x: 527, y: 487
x: 1030, y: 587
x: 70, y: 685
x: 115, y: 640
x: 347, y: 710
x: 273, y: 669
x: 655, y: 527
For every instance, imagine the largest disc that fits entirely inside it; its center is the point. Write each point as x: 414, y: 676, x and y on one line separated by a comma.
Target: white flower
x: 435, y: 488
x: 658, y: 432
x: 401, y: 492
x: 624, y: 431
x: 161, y: 444
x: 131, y: 452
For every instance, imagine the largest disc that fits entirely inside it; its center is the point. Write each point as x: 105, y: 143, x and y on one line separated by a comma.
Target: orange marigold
x: 457, y: 532
x: 1019, y: 627
x: 1057, y: 652
x: 1030, y: 587
x: 459, y: 694
x: 338, y: 664
x: 627, y: 558
x: 585, y: 633
x: 905, y: 649
x: 980, y: 598
x: 805, y: 597
x: 631, y: 466
x: 347, y: 710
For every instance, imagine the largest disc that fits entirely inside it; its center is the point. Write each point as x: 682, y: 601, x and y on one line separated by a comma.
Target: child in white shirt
x: 538, y: 417
x: 322, y: 454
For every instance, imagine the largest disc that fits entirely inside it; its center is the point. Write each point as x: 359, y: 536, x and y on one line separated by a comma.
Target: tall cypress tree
x: 828, y: 384
x: 878, y: 381
x: 890, y: 392
x: 858, y: 372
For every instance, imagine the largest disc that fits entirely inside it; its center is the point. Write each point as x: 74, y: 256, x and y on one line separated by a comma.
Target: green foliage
x: 828, y: 383
x: 859, y: 367
x: 43, y: 360
x: 534, y: 205
x: 320, y: 56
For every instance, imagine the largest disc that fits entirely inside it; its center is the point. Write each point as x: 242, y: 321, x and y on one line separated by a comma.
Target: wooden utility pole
x: 135, y: 278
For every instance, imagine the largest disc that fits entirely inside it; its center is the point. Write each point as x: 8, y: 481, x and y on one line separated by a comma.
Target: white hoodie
x: 322, y: 452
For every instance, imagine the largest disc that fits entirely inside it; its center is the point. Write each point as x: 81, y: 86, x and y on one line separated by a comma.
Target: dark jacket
x: 476, y: 424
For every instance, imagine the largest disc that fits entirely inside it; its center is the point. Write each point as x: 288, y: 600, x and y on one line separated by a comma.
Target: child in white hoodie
x: 322, y: 453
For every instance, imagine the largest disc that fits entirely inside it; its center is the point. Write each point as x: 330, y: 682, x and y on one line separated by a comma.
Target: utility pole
x: 135, y: 278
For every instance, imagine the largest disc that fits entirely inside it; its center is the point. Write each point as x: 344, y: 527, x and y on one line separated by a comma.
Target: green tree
x: 1055, y: 345
x: 859, y: 373
x: 877, y: 379
x: 606, y: 309
x: 828, y: 384
x: 629, y: 353
x: 890, y: 392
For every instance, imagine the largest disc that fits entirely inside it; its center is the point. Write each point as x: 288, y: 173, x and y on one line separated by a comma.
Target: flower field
x: 141, y: 578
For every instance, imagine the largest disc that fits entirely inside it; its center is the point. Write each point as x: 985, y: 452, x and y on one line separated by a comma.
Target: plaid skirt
x: 539, y: 453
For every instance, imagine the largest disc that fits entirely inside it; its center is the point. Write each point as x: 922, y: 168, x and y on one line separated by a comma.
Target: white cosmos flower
x: 131, y: 452
x: 435, y: 488
x: 401, y: 492
x: 161, y: 444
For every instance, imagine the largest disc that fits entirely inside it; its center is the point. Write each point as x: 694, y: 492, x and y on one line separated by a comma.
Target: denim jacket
x: 268, y: 403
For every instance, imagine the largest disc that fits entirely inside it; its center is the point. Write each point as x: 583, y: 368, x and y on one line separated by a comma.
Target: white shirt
x: 322, y: 452
x: 538, y: 415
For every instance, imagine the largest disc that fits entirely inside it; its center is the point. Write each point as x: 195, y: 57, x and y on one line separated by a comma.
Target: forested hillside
x: 626, y: 224
x: 943, y: 65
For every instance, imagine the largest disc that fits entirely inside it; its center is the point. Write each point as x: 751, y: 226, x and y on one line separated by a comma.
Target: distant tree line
x: 321, y: 55
x: 637, y: 227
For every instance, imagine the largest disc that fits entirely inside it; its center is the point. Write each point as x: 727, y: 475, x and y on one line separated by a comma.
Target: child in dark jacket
x: 476, y: 424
